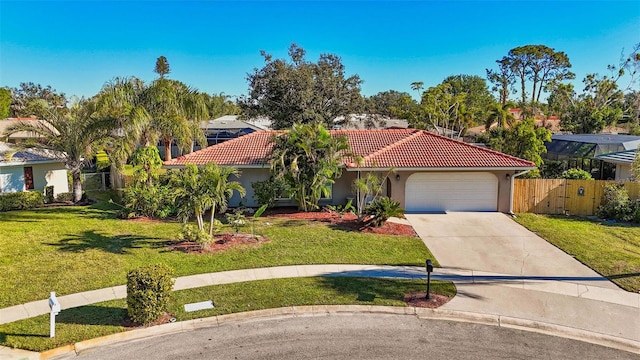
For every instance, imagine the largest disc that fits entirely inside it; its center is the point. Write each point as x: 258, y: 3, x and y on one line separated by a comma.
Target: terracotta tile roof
x: 397, y: 148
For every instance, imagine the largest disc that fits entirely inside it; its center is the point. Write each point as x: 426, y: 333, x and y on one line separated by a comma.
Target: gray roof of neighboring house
x: 8, y: 122
x: 27, y: 155
x: 622, y: 157
x: 369, y: 121
x: 589, y: 145
x: 227, y: 122
x: 233, y: 122
x: 628, y: 141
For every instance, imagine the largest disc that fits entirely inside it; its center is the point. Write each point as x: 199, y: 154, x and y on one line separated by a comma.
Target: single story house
x: 31, y: 169
x: 623, y: 161
x: 428, y: 172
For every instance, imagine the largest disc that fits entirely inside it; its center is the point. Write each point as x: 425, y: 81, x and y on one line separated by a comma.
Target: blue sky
x: 211, y: 45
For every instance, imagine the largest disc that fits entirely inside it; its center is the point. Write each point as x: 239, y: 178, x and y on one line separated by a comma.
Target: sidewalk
x: 611, y: 312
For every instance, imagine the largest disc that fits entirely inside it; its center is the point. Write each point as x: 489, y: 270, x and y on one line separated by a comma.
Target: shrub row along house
x: 428, y: 172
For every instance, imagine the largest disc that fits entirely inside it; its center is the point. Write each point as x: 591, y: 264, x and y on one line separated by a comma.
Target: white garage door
x: 453, y: 191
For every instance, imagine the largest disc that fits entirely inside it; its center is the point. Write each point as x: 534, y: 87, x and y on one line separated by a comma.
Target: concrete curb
x: 346, y: 310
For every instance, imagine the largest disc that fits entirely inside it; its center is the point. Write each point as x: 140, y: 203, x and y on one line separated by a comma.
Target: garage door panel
x: 456, y: 191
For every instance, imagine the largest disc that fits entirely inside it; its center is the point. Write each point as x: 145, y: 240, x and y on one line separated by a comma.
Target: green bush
x: 576, y: 174
x: 21, y: 200
x: 616, y: 204
x: 192, y: 233
x: 381, y: 209
x: 64, y: 197
x: 156, y: 201
x: 237, y: 219
x: 148, y: 292
x: 268, y: 191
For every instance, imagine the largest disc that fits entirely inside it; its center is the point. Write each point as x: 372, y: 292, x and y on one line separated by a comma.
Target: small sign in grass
x: 203, y: 305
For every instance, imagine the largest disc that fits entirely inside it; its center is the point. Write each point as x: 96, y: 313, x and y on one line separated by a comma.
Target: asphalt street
x: 361, y: 336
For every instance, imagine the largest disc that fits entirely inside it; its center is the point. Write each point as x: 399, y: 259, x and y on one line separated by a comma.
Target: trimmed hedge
x: 148, y: 292
x: 21, y: 200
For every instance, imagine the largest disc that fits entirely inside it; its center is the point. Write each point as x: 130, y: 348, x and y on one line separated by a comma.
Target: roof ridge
x: 412, y: 134
x: 478, y: 147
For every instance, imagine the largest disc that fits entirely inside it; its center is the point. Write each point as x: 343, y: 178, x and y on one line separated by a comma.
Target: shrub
x: 615, y: 204
x: 576, y: 174
x: 192, y: 233
x: 381, y: 209
x: 64, y: 197
x: 48, y: 195
x: 237, y: 219
x: 21, y: 200
x: 148, y: 292
x: 268, y: 191
x: 153, y: 201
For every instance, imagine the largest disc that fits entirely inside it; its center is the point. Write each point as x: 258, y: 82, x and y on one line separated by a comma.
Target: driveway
x: 493, y: 242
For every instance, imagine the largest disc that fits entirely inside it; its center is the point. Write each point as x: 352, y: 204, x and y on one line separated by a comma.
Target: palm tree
x: 78, y: 133
x: 215, y: 181
x: 501, y: 115
x: 307, y: 158
x: 176, y: 111
x: 200, y: 189
x: 191, y: 198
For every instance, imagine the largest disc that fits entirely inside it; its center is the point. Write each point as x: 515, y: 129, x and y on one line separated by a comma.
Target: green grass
x: 611, y: 249
x: 105, y: 318
x: 73, y: 249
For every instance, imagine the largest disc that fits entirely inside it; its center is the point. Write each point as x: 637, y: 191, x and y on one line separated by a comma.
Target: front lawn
x: 105, y: 318
x: 77, y: 248
x: 611, y: 249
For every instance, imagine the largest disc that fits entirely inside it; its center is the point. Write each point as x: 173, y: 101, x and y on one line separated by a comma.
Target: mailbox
x: 54, y: 305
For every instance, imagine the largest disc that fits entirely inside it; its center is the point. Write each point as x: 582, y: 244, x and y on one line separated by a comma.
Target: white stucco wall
x: 11, y: 178
x: 48, y: 174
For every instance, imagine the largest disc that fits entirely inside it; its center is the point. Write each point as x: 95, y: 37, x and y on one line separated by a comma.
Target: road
x: 362, y: 336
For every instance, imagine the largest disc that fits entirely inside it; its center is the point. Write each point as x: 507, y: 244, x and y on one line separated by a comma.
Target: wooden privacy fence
x: 563, y: 196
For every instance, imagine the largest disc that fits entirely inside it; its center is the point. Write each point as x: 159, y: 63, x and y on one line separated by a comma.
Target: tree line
x: 128, y: 113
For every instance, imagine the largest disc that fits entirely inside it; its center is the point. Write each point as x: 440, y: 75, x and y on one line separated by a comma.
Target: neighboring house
x: 369, y: 122
x: 20, y: 136
x: 582, y: 151
x: 31, y: 169
x: 226, y: 128
x: 216, y: 131
x: 623, y: 161
x: 430, y: 172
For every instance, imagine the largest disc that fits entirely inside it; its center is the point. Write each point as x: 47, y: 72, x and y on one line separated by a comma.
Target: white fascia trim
x: 29, y: 163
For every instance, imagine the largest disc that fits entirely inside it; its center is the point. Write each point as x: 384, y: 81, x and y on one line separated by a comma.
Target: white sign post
x: 55, y: 310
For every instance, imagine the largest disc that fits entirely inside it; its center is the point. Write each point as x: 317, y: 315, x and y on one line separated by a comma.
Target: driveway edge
x: 333, y: 310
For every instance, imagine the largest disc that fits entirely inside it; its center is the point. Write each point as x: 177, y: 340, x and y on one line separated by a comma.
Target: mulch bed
x: 418, y: 299
x: 220, y: 243
x: 163, y: 319
x: 348, y: 220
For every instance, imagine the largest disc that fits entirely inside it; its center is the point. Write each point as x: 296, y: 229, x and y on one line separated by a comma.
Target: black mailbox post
x: 429, y: 271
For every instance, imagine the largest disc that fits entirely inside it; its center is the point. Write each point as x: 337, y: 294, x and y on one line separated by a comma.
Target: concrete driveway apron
x: 493, y: 242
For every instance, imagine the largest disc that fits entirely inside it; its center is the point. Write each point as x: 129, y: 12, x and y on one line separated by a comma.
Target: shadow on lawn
x: 59, y: 213
x: 93, y: 315
x: 113, y: 244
